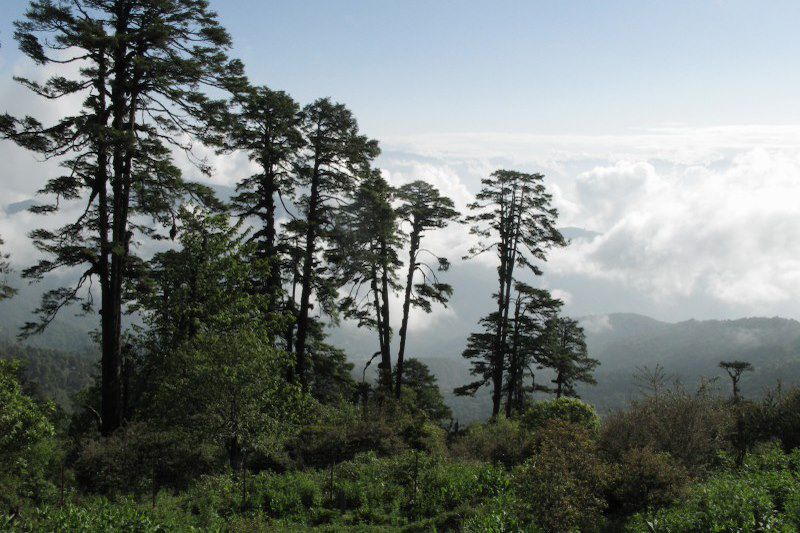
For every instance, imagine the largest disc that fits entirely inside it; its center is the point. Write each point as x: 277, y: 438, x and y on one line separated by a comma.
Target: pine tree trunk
x: 306, y: 280
x: 412, y: 259
x: 274, y: 278
x: 111, y: 314
x: 386, y: 354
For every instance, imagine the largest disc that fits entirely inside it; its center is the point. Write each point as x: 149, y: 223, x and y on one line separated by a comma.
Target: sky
x: 670, y: 131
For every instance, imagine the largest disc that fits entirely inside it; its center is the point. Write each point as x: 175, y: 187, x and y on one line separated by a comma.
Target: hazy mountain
x: 688, y: 350
x: 576, y: 234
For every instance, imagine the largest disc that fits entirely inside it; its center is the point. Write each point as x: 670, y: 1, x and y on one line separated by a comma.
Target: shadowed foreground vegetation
x: 672, y: 461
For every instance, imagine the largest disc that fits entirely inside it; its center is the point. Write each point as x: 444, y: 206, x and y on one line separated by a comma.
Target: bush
x: 645, y: 478
x: 499, y: 515
x: 499, y: 441
x: 26, y: 443
x: 339, y: 434
x: 762, y: 495
x: 691, y: 428
x: 98, y: 515
x: 409, y: 489
x: 570, y: 410
x: 777, y: 416
x: 561, y: 488
x: 135, y: 456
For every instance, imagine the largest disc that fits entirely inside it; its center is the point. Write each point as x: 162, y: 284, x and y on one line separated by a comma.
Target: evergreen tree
x: 365, y: 253
x: 422, y: 392
x: 735, y: 369
x: 511, y: 216
x: 266, y: 126
x: 533, y: 308
x: 566, y: 354
x: 143, y: 65
x: 480, y: 353
x: 335, y: 155
x: 422, y: 208
x: 527, y: 340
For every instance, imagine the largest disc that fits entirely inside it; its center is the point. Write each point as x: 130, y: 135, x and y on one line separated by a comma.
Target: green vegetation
x: 219, y: 403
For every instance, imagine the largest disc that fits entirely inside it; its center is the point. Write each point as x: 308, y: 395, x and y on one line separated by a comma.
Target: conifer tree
x: 143, y: 66
x: 566, y: 354
x: 533, y: 308
x: 422, y: 208
x: 735, y: 369
x: 366, y: 258
x: 511, y: 216
x: 336, y: 155
x: 266, y: 126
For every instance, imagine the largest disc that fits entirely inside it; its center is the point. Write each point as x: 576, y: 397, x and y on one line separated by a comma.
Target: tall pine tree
x: 143, y: 66
x: 266, y: 126
x: 566, y: 354
x: 336, y: 154
x: 513, y: 217
x: 422, y: 208
x: 366, y: 258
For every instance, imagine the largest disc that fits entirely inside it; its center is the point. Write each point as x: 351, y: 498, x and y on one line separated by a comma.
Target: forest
x: 218, y: 401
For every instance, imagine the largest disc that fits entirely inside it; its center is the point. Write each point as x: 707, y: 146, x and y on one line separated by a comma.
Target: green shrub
x: 561, y: 487
x: 99, y: 515
x: 567, y: 409
x: 499, y: 515
x: 691, y: 428
x: 499, y: 441
x: 26, y: 443
x: 776, y: 416
x: 723, y: 503
x: 339, y: 434
x: 762, y: 495
x: 645, y: 478
x: 134, y: 457
x: 410, y: 488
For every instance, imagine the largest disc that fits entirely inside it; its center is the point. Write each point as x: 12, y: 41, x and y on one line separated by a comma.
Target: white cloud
x: 596, y: 323
x: 564, y: 296
x: 725, y: 230
x: 707, y: 213
x: 704, y: 213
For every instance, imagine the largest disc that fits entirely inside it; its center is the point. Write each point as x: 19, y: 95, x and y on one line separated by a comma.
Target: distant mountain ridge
x: 622, y: 342
x: 688, y: 350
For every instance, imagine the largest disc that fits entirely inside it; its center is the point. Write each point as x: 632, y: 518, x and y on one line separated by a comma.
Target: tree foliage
x: 422, y: 208
x: 512, y: 217
x: 566, y: 353
x: 141, y: 69
x: 265, y: 124
x: 330, y: 167
x: 26, y: 442
x: 365, y: 255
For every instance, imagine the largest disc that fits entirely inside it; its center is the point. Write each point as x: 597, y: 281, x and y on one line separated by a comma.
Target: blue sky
x: 546, y: 67
x: 671, y: 129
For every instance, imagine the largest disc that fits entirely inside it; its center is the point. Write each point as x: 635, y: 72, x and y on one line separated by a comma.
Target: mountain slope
x: 688, y: 350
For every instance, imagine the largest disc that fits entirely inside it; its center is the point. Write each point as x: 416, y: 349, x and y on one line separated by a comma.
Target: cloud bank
x: 701, y: 217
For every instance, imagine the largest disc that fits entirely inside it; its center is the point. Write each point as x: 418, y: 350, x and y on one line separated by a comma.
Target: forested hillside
x: 54, y: 375
x: 688, y: 351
